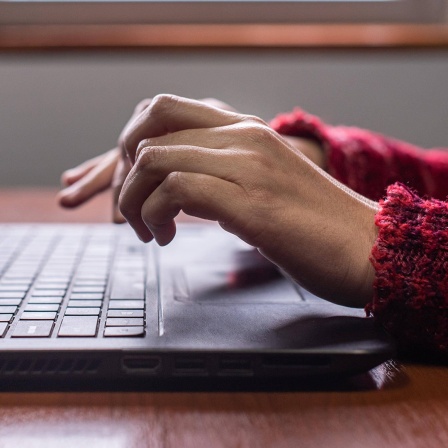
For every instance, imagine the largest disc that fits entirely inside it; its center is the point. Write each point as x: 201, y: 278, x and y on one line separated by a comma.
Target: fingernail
x: 144, y: 238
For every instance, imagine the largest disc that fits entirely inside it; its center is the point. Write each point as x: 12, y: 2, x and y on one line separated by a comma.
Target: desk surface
x: 394, y: 405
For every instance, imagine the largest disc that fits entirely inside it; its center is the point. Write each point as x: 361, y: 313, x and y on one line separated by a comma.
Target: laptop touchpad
x: 233, y: 283
x: 209, y: 266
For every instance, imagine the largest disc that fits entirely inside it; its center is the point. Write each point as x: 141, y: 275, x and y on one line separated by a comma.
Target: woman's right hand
x: 108, y: 170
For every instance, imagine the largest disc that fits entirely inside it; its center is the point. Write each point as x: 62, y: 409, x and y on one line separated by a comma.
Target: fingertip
x: 67, y: 178
x: 69, y: 197
x: 162, y: 240
x: 143, y: 233
x: 145, y: 237
x: 164, y: 234
x: 65, y: 201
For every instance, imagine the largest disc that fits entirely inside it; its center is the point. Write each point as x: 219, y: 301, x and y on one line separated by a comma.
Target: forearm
x: 368, y: 162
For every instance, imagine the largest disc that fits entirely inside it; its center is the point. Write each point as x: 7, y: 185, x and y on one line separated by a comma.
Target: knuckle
x: 173, y: 184
x: 262, y: 135
x: 142, y: 146
x: 253, y: 119
x: 152, y: 158
x: 162, y: 104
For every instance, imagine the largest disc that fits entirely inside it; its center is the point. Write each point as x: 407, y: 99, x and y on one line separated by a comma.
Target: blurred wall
x: 56, y: 110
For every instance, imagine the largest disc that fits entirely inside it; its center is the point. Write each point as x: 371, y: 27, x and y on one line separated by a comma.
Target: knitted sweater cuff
x: 348, y: 151
x: 366, y: 161
x: 410, y: 258
x: 299, y: 123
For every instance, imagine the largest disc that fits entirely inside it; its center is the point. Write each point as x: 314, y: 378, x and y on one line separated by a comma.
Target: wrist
x: 312, y: 149
x: 364, y: 271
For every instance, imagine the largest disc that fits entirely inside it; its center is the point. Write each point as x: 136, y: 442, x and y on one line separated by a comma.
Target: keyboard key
x: 5, y: 317
x: 7, y: 309
x: 88, y: 289
x: 78, y: 326
x: 86, y: 296
x: 10, y: 302
x: 3, y: 328
x: 124, y: 331
x: 14, y: 288
x: 127, y: 287
x: 13, y: 282
x: 33, y: 329
x: 82, y: 311
x: 18, y: 278
x: 87, y: 277
x: 124, y: 322
x: 62, y: 272
x: 47, y: 286
x: 90, y: 283
x: 84, y: 303
x: 41, y: 300
x: 125, y: 313
x: 12, y: 295
x: 41, y: 307
x: 38, y: 315
x: 48, y: 293
x: 126, y: 305
x: 53, y: 279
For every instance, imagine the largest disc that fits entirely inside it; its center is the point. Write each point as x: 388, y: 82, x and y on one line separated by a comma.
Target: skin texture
x: 233, y: 168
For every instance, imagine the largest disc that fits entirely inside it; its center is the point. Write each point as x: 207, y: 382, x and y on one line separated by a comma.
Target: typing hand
x: 109, y: 170
x: 234, y: 169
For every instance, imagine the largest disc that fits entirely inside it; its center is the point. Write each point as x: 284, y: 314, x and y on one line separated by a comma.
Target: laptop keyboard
x: 71, y: 281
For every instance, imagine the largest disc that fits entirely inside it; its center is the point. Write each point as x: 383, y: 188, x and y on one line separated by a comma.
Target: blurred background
x: 59, y: 107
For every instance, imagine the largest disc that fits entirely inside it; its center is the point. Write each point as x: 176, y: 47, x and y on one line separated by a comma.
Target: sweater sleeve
x: 410, y: 258
x: 368, y: 162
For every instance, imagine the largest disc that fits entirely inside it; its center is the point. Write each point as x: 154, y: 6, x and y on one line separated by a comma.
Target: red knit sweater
x: 368, y: 162
x: 410, y: 256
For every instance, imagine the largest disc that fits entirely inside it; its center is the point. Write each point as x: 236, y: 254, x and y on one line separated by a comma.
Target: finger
x: 215, y: 138
x: 156, y: 163
x: 198, y: 195
x: 96, y: 180
x: 168, y: 114
x: 122, y: 170
x: 72, y: 175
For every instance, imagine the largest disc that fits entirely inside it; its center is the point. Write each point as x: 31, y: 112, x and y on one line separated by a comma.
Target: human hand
x: 234, y: 169
x: 108, y: 170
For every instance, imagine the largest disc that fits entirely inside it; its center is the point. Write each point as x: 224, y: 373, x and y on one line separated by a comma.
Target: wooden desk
x: 392, y: 406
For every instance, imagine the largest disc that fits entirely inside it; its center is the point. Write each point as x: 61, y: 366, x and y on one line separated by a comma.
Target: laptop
x: 89, y: 305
